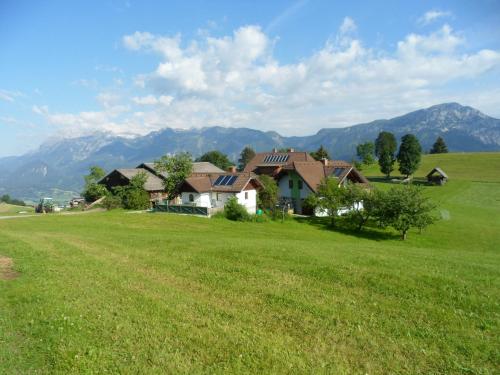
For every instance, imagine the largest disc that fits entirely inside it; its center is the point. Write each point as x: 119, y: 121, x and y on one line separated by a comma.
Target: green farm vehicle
x: 45, y: 205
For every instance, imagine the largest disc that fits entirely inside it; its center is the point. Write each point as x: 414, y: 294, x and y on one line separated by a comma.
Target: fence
x: 182, y: 209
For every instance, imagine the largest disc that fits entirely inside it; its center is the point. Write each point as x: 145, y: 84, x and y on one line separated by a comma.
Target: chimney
x: 324, y: 161
x: 275, y: 150
x: 291, y: 150
x: 232, y: 169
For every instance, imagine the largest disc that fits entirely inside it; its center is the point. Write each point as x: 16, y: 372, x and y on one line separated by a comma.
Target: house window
x: 191, y: 197
x: 290, y: 184
x: 217, y: 196
x: 300, y: 184
x: 246, y: 194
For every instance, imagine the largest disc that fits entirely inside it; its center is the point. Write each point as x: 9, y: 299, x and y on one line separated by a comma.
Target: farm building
x: 214, y: 189
x: 437, y: 176
x: 122, y: 177
x: 298, y: 174
x: 154, y: 179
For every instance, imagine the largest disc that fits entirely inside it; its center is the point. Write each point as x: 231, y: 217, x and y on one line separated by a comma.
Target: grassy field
x: 10, y: 209
x: 155, y: 293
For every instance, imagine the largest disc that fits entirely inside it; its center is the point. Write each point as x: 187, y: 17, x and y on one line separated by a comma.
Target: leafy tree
x: 439, y: 147
x: 385, y: 147
x: 329, y: 197
x: 217, y: 158
x: 235, y: 211
x: 268, y: 194
x: 92, y: 190
x: 409, y: 154
x: 5, y: 198
x: 320, y: 154
x: 246, y: 155
x: 177, y: 168
x: 112, y: 201
x: 360, y: 201
x: 133, y: 196
x: 404, y: 208
x: 365, y: 152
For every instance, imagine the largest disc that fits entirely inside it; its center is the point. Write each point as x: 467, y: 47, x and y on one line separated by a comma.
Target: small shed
x: 437, y: 176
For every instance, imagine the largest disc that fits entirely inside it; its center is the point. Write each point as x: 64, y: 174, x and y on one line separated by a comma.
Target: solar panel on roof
x: 225, y: 180
x: 231, y: 180
x: 219, y: 179
x: 276, y: 158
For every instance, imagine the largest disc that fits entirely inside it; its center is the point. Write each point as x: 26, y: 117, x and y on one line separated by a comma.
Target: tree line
x: 7, y: 199
x: 384, y: 148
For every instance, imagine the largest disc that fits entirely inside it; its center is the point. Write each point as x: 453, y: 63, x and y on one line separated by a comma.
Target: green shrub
x: 235, y: 211
x: 111, y: 202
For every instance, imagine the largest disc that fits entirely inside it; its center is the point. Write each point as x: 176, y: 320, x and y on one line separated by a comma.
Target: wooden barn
x: 437, y: 176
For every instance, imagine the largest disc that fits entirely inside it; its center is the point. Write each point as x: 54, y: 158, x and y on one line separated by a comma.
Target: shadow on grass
x: 369, y: 232
x: 418, y: 181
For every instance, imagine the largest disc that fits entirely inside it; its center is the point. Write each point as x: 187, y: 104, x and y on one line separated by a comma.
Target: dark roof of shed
x: 153, y: 182
x: 438, y: 170
x: 198, y: 167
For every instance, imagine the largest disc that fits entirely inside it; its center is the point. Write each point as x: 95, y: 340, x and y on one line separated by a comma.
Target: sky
x: 70, y: 68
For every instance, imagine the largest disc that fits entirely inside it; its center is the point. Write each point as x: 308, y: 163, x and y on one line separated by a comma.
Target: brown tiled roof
x: 259, y: 160
x: 202, y: 182
x: 313, y: 172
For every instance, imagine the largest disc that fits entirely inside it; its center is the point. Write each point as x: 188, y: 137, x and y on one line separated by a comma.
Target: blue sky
x: 69, y: 68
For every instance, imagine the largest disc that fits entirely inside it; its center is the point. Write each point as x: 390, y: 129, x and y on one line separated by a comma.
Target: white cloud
x: 236, y: 80
x: 152, y: 100
x: 348, y: 26
x: 9, y: 96
x: 433, y: 15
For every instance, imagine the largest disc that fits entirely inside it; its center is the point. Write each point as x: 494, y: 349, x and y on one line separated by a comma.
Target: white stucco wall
x: 250, y: 203
x: 286, y: 192
x: 200, y: 200
x: 213, y: 199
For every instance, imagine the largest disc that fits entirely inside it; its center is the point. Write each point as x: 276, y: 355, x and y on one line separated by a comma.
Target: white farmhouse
x: 213, y: 190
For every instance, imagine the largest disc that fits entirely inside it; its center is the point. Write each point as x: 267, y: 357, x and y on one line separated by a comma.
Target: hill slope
x: 61, y: 164
x: 193, y: 295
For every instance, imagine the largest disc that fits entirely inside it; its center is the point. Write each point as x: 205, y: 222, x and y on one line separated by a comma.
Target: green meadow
x: 143, y: 293
x: 10, y: 209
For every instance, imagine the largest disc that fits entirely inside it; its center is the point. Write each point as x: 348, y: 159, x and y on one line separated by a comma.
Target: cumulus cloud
x: 348, y: 26
x: 433, y: 15
x: 236, y: 80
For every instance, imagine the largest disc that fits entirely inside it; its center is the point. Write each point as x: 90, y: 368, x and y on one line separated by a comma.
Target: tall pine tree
x: 439, y: 147
x: 385, y: 148
x: 320, y: 153
x: 246, y: 155
x: 409, y: 155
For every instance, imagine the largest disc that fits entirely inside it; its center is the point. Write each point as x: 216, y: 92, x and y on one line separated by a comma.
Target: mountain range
x: 56, y: 167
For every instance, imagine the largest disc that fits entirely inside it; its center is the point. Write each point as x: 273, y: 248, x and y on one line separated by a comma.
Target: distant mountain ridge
x: 58, y: 166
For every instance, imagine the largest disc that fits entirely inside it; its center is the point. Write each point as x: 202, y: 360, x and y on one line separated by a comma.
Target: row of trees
x: 402, y: 207
x: 384, y: 150
x: 7, y: 199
